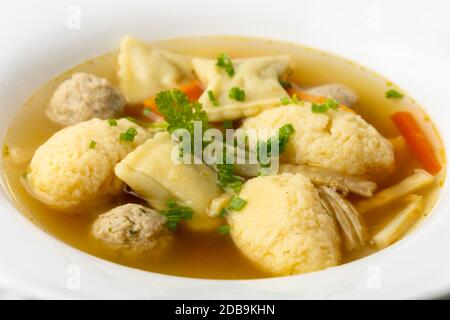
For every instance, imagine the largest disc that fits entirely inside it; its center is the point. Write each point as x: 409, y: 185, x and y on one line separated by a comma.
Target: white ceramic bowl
x: 406, y: 42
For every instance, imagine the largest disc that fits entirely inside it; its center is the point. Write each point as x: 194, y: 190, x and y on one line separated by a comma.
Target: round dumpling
x: 133, y: 227
x: 75, y: 167
x: 336, y: 139
x: 83, y: 97
x: 283, y: 228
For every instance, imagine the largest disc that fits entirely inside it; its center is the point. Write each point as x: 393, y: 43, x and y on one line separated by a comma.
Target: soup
x: 335, y: 210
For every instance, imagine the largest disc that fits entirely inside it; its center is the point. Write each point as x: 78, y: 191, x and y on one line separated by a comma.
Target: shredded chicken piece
x: 353, y: 227
x: 342, y: 182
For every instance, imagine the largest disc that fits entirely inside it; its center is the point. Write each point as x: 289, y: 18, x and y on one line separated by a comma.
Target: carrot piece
x: 417, y: 141
x: 191, y: 89
x: 302, y: 95
x: 151, y: 104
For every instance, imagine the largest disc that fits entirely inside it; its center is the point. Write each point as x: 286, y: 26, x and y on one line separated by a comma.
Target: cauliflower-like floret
x: 133, y: 227
x: 283, y: 228
x: 83, y: 97
x: 76, y: 165
x: 336, y: 139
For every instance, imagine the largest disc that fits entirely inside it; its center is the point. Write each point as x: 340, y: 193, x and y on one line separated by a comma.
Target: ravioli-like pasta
x: 144, y: 71
x: 258, y: 77
x: 150, y: 172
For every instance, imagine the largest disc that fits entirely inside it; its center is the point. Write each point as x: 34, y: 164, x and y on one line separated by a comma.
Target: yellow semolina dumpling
x: 152, y: 173
x: 283, y: 228
x: 75, y: 167
x: 336, y: 139
x: 144, y: 71
x: 257, y: 77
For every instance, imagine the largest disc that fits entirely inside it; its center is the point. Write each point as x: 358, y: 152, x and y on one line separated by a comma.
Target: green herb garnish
x: 128, y: 135
x: 112, y: 122
x: 175, y: 213
x: 92, y: 144
x: 236, y: 94
x: 224, y: 61
x: 285, y: 101
x: 280, y: 140
x: 236, y: 203
x: 393, y: 94
x: 227, y: 179
x: 223, y: 230
x: 212, y: 98
x: 180, y: 113
x: 324, y: 107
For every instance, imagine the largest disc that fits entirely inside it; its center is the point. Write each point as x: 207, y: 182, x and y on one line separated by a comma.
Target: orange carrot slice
x: 417, y: 141
x: 192, y: 90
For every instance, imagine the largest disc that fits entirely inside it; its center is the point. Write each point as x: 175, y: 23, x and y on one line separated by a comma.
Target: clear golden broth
x: 208, y: 255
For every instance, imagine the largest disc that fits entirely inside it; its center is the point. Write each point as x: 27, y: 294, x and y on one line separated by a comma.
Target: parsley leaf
x: 224, y: 61
x: 236, y: 94
x: 393, y: 94
x: 175, y: 213
x: 180, y: 113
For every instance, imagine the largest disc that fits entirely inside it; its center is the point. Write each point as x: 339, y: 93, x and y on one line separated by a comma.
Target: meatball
x: 336, y: 139
x: 283, y: 228
x: 133, y: 227
x: 83, y: 97
x: 341, y: 93
x: 76, y: 165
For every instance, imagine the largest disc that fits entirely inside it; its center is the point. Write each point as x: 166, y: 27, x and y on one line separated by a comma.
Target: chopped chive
x: 223, y: 230
x: 286, y: 130
x: 92, y: 144
x: 236, y: 94
x: 112, y: 122
x: 128, y: 135
x: 237, y: 203
x: 393, y: 94
x: 212, y: 98
x: 319, y: 108
x: 224, y: 62
x: 332, y: 104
